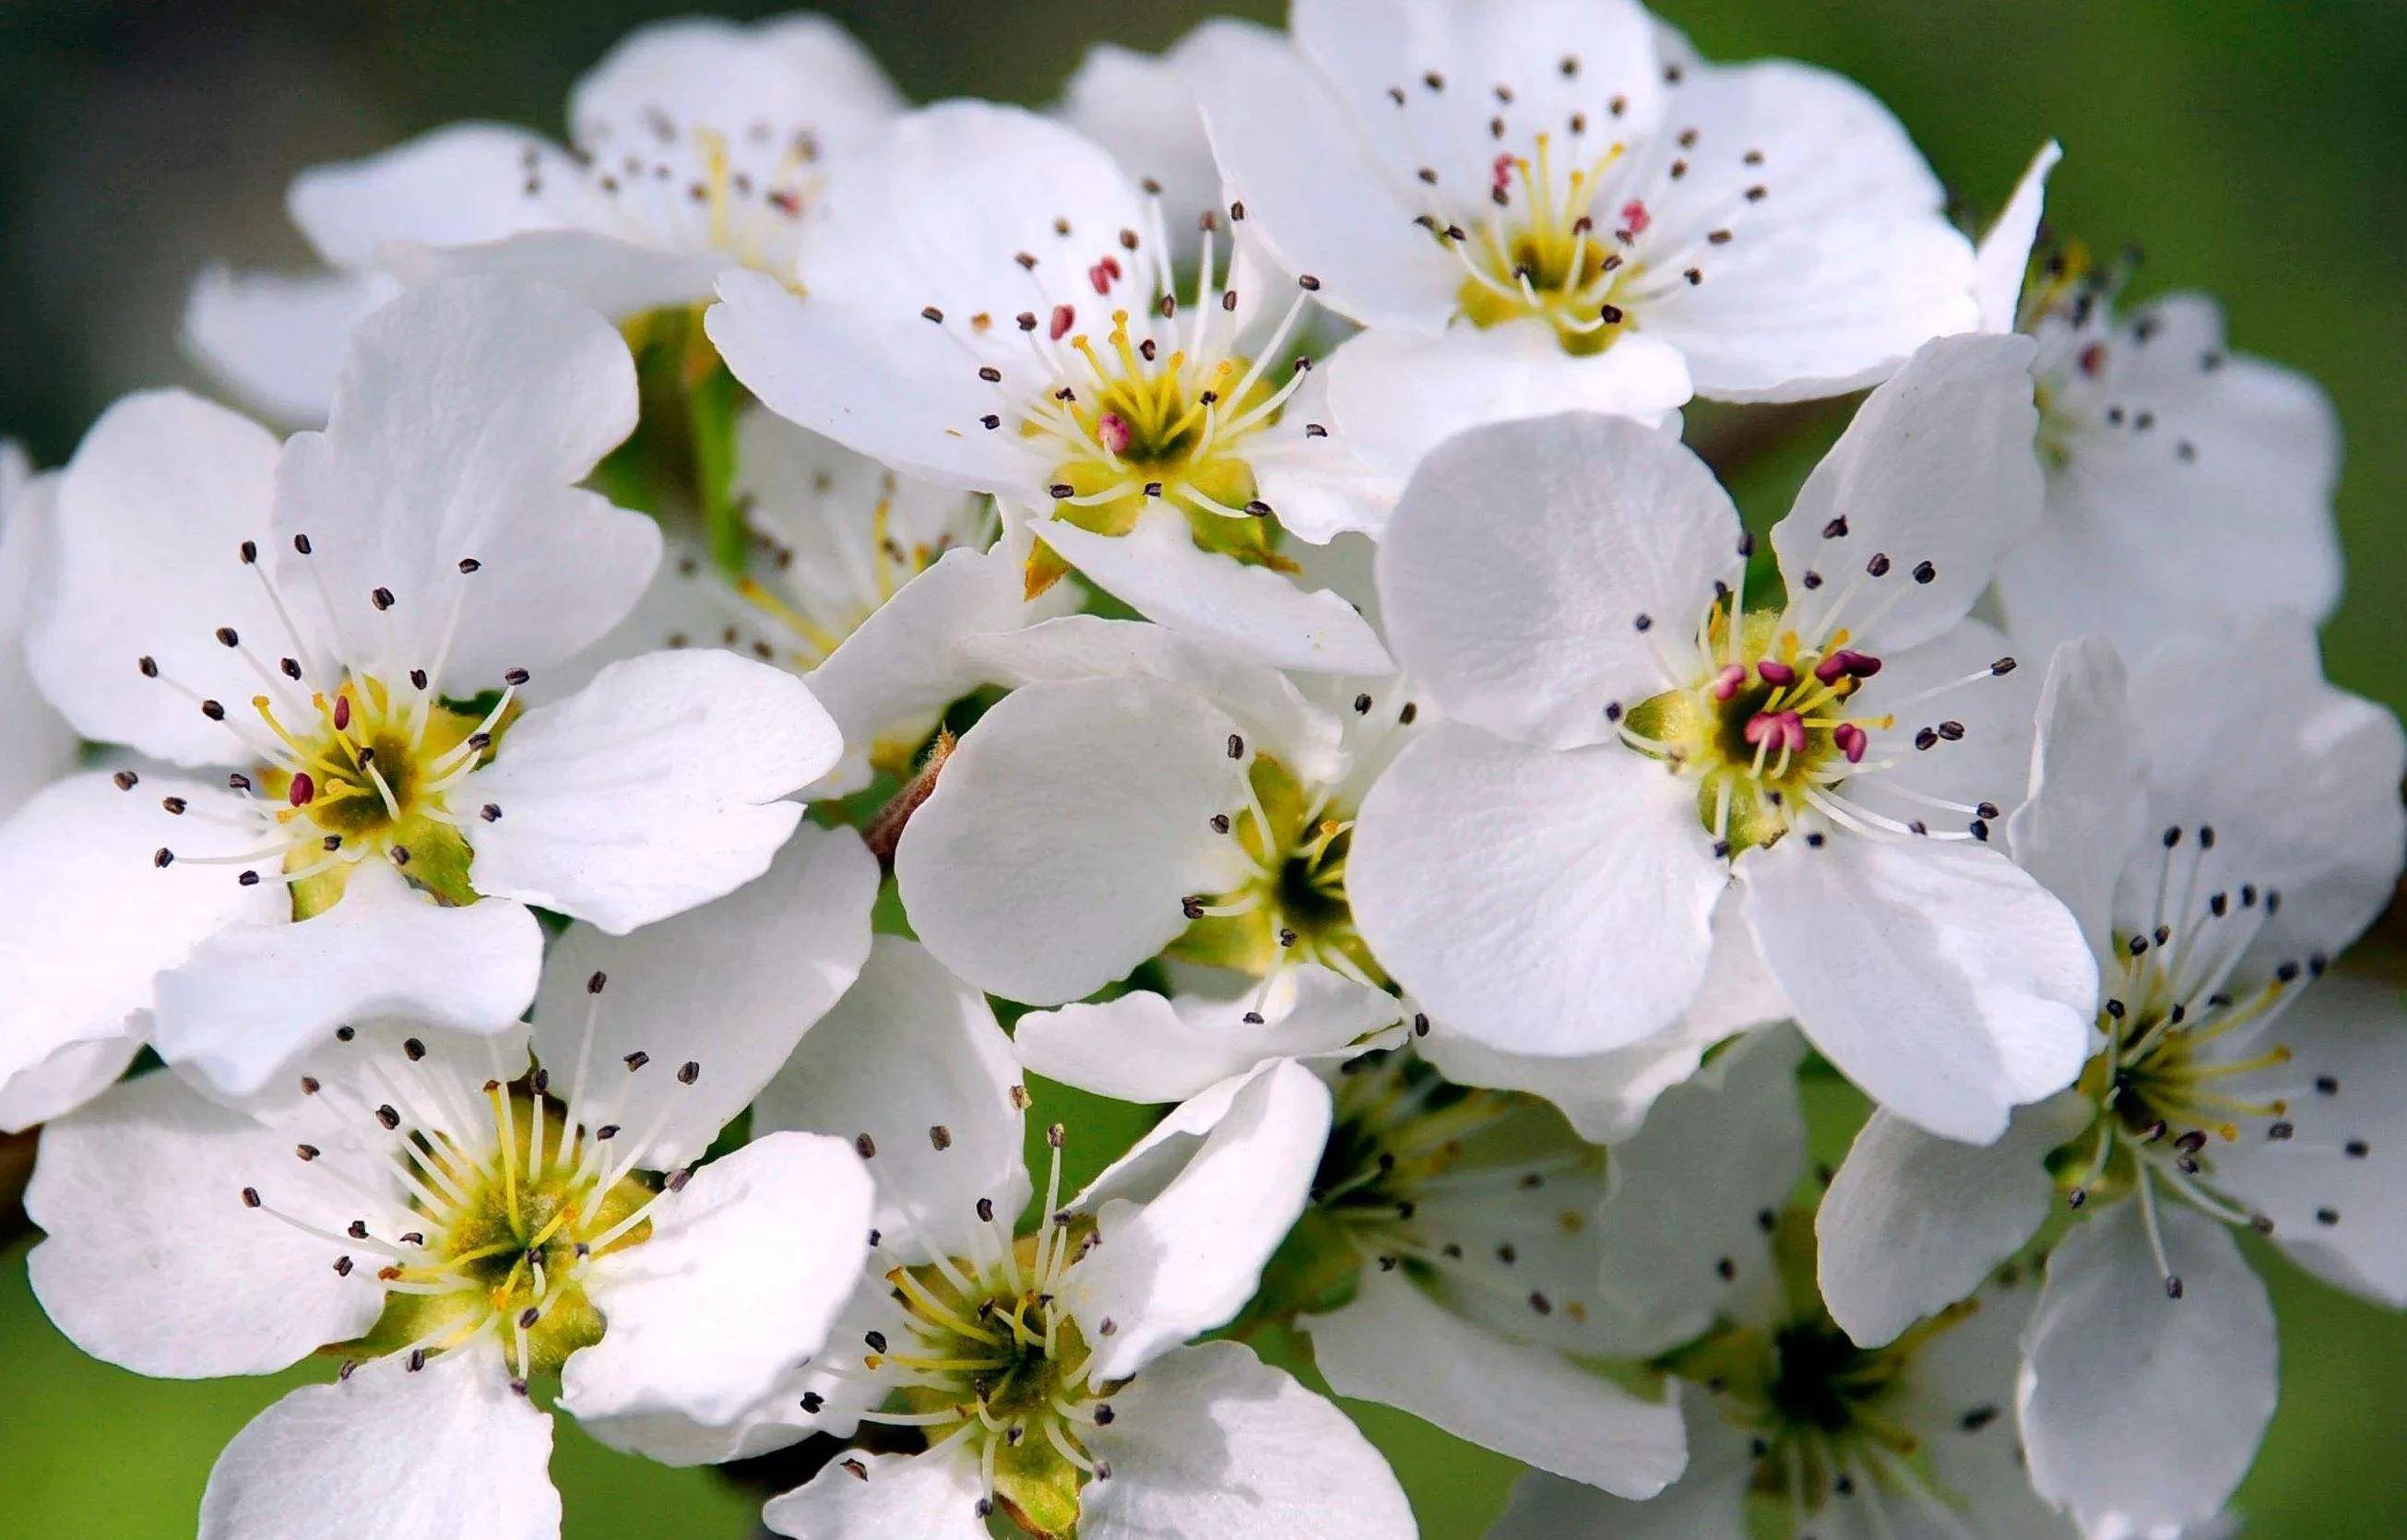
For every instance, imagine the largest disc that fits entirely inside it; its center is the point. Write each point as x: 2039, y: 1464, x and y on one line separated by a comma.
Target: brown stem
x: 885, y: 831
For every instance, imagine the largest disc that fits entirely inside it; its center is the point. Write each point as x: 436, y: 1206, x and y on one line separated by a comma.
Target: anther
x: 939, y: 1136
x: 689, y: 1072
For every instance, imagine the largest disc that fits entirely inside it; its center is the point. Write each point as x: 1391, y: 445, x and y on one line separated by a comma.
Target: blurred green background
x: 2257, y: 150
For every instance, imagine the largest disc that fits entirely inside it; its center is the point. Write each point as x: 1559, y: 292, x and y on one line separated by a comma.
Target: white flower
x: 1534, y: 210
x: 990, y: 307
x: 1785, y: 1415
x: 861, y: 581
x: 456, y: 1224
x: 39, y: 745
x: 1831, y: 768
x: 2188, y: 485
x: 320, y: 620
x: 2219, y: 848
x: 1138, y: 793
x: 1048, y: 1372
x: 694, y: 145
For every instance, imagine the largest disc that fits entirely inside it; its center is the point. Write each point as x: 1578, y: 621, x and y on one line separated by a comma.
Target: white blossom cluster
x: 442, y: 903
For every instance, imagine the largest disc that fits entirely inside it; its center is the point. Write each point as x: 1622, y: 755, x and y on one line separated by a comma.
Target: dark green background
x: 2255, y: 150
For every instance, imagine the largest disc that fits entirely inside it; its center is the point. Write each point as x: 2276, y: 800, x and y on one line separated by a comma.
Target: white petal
x: 2004, y: 253
x: 2313, y: 796
x: 154, y: 1262
x: 858, y: 1497
x: 799, y: 71
x: 736, y: 1287
x: 2082, y: 821
x: 1957, y: 1396
x: 1605, y: 1096
x: 390, y: 1453
x: 256, y: 993
x: 655, y: 788
x: 1937, y: 467
x: 1188, y: 1258
x: 899, y: 670
x: 465, y: 415
x: 1541, y: 901
x: 1367, y: 47
x: 1273, y: 714
x: 2332, y: 1191
x: 277, y: 339
x: 1681, y: 1229
x: 453, y: 186
x: 1913, y: 1222
x: 1844, y: 267
x: 1144, y: 1048
x: 1158, y: 569
x: 41, y: 746
x: 2142, y: 1412
x: 875, y: 376
x: 2220, y: 506
x: 1322, y: 485
x: 1056, y: 849
x: 95, y: 919
x: 1140, y: 107
x: 1952, y: 677
x: 1330, y: 211
x: 1522, y: 558
x: 1708, y: 1503
x: 910, y: 1049
x: 1940, y: 979
x: 1213, y: 1444
x: 150, y: 516
x: 1396, y: 395
x: 63, y: 1081
x: 608, y: 274
x: 730, y: 987
x: 1393, y: 1344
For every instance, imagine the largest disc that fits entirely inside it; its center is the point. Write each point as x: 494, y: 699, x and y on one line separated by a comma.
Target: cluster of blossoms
x: 1224, y: 551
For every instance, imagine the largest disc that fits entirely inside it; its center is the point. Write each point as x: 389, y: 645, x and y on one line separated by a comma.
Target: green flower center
x: 1292, y: 907
x: 1763, y: 726
x: 508, y: 1232
x: 1549, y: 260
x: 369, y: 773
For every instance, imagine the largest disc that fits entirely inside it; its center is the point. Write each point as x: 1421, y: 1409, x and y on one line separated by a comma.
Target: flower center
x: 1405, y: 1147
x: 1292, y: 907
x: 2164, y: 1097
x: 347, y: 764
x: 1540, y: 252
x: 368, y: 771
x: 986, y: 1352
x: 1823, y: 1415
x: 684, y: 187
x: 1761, y: 727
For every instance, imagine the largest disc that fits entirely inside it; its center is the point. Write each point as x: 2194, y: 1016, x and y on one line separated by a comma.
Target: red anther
x: 1634, y: 216
x: 1063, y: 317
x: 342, y: 712
x: 1726, y: 683
x: 2093, y: 358
x: 304, y: 791
x: 1112, y: 432
x: 1851, y: 741
x: 1773, y: 672
x: 1504, y: 172
x: 1103, y: 274
x: 785, y: 202
x: 1785, y: 728
x: 1846, y: 663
